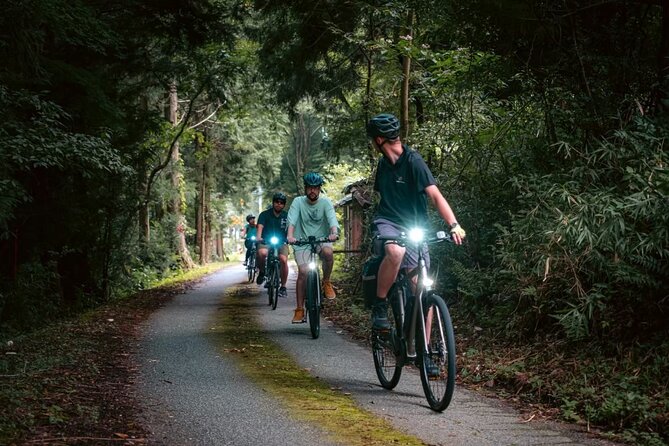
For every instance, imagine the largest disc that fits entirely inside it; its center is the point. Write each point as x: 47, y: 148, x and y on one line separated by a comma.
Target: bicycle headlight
x: 428, y: 282
x: 416, y: 235
x: 312, y: 265
x: 253, y: 237
x: 274, y: 240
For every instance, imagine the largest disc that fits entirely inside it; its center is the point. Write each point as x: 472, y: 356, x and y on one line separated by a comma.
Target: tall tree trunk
x: 406, y: 72
x: 143, y: 214
x: 177, y: 177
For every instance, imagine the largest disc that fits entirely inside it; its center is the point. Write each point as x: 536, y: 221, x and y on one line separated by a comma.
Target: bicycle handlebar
x: 310, y: 241
x: 403, y: 238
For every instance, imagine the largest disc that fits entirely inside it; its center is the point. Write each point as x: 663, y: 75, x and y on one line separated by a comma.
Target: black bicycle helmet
x: 313, y: 179
x: 279, y: 196
x: 250, y: 217
x: 384, y: 125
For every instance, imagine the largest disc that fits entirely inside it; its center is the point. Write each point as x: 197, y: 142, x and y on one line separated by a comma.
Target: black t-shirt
x: 273, y: 225
x: 402, y: 189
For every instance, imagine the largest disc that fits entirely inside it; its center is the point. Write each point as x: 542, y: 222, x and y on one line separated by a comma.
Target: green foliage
x: 593, y: 239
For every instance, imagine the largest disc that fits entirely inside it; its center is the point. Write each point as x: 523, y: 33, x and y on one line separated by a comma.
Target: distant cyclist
x: 273, y: 223
x: 312, y: 215
x: 404, y: 183
x: 248, y: 233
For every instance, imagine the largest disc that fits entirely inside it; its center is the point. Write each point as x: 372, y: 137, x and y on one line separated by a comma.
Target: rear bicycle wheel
x: 313, y: 303
x: 437, y: 364
x: 388, y: 350
x: 273, y: 288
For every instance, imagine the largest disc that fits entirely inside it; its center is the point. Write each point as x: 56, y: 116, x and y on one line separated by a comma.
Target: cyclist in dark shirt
x: 273, y: 223
x: 404, y: 183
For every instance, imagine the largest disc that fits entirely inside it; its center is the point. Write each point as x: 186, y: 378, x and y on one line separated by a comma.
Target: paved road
x: 197, y: 397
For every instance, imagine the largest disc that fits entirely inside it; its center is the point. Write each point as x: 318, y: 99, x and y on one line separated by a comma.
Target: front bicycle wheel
x: 313, y: 303
x: 273, y: 288
x: 251, y: 267
x: 437, y: 364
x: 387, y: 349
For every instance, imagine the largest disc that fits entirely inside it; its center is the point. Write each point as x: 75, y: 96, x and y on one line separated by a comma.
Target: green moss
x: 307, y: 398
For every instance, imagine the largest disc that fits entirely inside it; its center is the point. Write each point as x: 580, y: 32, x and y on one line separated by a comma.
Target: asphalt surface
x: 195, y: 396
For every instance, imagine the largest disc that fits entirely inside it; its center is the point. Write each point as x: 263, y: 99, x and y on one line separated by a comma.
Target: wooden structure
x: 353, y: 205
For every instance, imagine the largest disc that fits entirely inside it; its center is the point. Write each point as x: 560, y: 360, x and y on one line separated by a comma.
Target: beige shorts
x: 303, y: 255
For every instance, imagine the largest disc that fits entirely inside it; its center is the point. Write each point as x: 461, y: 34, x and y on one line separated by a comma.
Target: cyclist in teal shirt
x: 249, y: 233
x: 312, y: 215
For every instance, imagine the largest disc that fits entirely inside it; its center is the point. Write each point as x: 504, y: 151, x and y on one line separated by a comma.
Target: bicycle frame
x: 313, y: 308
x: 273, y: 271
x: 412, y: 338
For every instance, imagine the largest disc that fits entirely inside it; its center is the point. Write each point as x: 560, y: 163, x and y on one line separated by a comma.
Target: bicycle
x: 422, y: 335
x: 251, y: 262
x: 273, y: 272
x: 313, y: 288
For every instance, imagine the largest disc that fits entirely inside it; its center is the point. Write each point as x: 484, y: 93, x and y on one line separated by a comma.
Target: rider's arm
x: 331, y: 216
x: 289, y: 234
x: 259, y: 232
x: 443, y: 208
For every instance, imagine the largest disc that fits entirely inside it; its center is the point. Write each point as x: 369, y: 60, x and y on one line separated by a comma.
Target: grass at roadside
x: 306, y: 397
x: 70, y: 383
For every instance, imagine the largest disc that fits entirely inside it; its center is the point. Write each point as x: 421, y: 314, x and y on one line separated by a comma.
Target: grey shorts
x: 302, y: 256
x: 385, y: 228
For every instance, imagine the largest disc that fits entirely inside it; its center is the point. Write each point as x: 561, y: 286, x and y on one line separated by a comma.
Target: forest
x: 136, y: 135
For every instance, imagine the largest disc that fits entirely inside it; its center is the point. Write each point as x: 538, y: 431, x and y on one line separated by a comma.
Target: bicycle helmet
x: 313, y: 179
x: 384, y: 125
x: 279, y: 196
x: 250, y: 217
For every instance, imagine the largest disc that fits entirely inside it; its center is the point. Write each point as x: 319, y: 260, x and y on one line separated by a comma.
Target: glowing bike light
x: 274, y: 240
x: 428, y: 282
x: 312, y: 265
x: 416, y: 235
x: 253, y: 237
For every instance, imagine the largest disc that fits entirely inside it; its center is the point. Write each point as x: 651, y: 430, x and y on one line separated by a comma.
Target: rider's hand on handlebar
x: 457, y: 234
x: 333, y: 237
x: 291, y: 240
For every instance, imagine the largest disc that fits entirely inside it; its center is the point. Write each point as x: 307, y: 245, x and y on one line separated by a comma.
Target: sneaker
x: 379, y: 316
x: 431, y: 368
x: 260, y: 279
x: 298, y: 318
x: 283, y: 292
x: 328, y: 290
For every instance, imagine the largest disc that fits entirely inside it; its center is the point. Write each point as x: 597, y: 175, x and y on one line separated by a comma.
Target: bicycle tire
x: 271, y: 296
x: 441, y: 351
x: 273, y: 288
x: 313, y: 308
x: 251, y: 268
x: 388, y: 351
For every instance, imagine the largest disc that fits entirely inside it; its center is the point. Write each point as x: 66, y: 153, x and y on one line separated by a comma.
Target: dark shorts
x: 385, y: 228
x: 283, y: 249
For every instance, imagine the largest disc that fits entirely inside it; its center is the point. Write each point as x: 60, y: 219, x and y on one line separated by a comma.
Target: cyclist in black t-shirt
x: 404, y: 183
x: 273, y: 222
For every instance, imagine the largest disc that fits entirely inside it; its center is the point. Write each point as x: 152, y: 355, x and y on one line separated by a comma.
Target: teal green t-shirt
x: 311, y: 219
x: 250, y: 231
